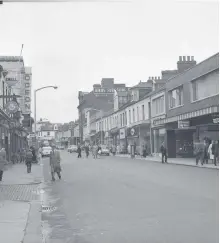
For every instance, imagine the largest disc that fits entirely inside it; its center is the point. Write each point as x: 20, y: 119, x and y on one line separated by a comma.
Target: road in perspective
x: 118, y: 200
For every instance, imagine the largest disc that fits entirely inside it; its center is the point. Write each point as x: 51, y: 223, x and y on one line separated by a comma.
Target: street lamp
x: 35, y: 105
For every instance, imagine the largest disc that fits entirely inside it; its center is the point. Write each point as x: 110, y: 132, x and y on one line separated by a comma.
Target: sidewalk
x: 175, y: 161
x: 20, y: 206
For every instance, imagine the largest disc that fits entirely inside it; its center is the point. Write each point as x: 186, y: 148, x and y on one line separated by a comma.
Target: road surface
x: 119, y: 200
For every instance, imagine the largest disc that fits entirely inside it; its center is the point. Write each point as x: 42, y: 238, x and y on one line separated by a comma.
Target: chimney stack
x: 188, y: 58
x: 180, y: 58
x: 192, y: 58
x: 185, y: 62
x: 184, y: 58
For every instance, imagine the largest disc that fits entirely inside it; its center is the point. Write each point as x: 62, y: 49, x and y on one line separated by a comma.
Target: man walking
x: 87, y: 151
x: 79, y: 151
x: 55, y: 163
x: 163, y: 151
x: 199, y: 149
x: 2, y: 162
x: 28, y: 160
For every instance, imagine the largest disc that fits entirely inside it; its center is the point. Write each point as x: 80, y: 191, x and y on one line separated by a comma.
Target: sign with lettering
x: 12, y: 77
x: 27, y: 94
x: 122, y: 133
x: 183, y: 124
x: 12, y: 107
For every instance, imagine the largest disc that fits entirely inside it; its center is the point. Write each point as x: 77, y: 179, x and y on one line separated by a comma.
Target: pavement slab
x: 13, y: 220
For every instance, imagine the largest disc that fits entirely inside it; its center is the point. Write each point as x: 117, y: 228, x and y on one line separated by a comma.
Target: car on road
x: 105, y: 150
x: 46, y: 151
x: 72, y: 149
x: 60, y: 147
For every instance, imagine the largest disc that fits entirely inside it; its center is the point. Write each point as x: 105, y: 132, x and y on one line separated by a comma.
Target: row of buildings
x: 177, y: 108
x: 15, y: 104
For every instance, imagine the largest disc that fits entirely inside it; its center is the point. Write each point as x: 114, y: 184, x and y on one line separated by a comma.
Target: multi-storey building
x: 182, y: 107
x: 100, y: 98
x: 192, y: 107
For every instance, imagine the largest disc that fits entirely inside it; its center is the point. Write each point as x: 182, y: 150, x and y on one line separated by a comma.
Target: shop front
x: 114, y: 133
x: 182, y: 134
x: 133, y: 139
x: 123, y: 140
x: 158, y: 134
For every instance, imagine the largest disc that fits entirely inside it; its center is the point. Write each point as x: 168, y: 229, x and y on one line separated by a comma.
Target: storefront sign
x: 122, y: 133
x: 12, y: 77
x: 183, y: 124
x: 215, y: 120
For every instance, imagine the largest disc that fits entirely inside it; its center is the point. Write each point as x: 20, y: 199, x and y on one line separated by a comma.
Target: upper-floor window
x: 143, y: 113
x: 205, y: 86
x: 137, y: 113
x: 175, y: 97
x: 133, y: 115
x: 129, y: 117
x: 125, y: 117
x: 48, y: 133
x: 158, y: 106
x: 121, y: 120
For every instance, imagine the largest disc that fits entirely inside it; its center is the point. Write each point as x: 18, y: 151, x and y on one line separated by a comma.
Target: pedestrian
x: 211, y: 151
x: 163, y: 151
x: 199, y: 148
x: 114, y: 150
x: 29, y: 160
x: 34, y: 154
x: 3, y: 162
x: 87, y: 151
x: 22, y: 155
x: 95, y: 151
x: 79, y: 151
x: 145, y: 151
x: 55, y: 162
x: 206, y: 154
x: 40, y: 153
x: 216, y: 153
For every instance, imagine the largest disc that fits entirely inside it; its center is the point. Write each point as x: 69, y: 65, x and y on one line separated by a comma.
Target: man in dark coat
x: 163, y: 151
x: 29, y: 160
x: 79, y: 151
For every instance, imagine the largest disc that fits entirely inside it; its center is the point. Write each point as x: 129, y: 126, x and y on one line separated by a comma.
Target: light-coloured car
x: 73, y: 149
x: 46, y: 151
x: 105, y: 151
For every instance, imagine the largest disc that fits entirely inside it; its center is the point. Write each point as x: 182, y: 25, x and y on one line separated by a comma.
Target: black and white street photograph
x: 109, y: 121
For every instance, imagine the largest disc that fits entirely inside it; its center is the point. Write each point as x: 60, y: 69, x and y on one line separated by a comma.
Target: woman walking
x: 55, y: 163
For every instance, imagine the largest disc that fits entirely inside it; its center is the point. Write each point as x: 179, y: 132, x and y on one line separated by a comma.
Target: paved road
x: 119, y: 200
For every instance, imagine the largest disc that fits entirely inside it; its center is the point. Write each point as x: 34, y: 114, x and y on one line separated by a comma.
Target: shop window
x: 205, y: 86
x: 175, y: 97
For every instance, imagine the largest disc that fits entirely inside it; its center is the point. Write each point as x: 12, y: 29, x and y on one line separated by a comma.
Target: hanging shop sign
x: 12, y: 107
x: 122, y: 133
x: 183, y: 124
x: 215, y: 120
x: 12, y: 77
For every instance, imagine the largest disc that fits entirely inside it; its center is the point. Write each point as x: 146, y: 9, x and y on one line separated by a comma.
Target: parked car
x: 68, y: 149
x: 73, y: 149
x: 46, y: 151
x: 105, y: 150
x: 60, y: 147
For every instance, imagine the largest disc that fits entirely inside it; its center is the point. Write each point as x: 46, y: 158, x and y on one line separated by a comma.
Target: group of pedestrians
x: 207, y: 150
x: 94, y: 149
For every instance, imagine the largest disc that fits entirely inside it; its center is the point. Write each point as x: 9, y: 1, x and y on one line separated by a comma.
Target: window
x: 143, y: 113
x: 205, y: 86
x: 129, y: 117
x: 121, y: 120
x: 137, y: 113
x: 48, y: 133
x: 158, y: 106
x: 133, y: 115
x: 176, y: 97
x: 125, y: 118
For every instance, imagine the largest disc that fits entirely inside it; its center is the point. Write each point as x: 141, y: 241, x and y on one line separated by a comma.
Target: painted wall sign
x: 27, y: 94
x: 183, y: 124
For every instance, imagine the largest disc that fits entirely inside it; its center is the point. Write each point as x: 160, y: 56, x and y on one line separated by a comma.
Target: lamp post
x: 35, y: 105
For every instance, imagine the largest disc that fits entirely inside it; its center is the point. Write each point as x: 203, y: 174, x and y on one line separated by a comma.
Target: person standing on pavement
x: 22, y: 155
x: 163, y: 151
x: 55, y: 163
x: 114, y: 150
x: 79, y: 151
x: 216, y: 152
x: 199, y: 148
x: 29, y: 160
x: 87, y: 151
x: 3, y: 162
x: 206, y: 154
x: 210, y: 151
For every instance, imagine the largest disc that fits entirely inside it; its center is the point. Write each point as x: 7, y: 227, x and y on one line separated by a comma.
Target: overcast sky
x: 74, y: 45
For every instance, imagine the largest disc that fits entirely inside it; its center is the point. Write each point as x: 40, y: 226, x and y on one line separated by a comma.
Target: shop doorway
x: 171, y: 143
